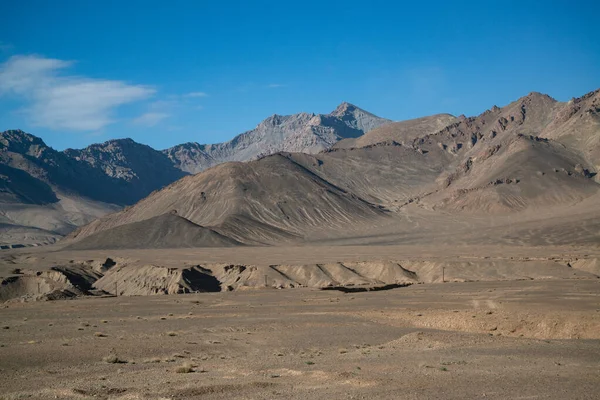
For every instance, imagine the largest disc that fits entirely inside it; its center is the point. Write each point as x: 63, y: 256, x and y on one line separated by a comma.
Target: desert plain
x: 503, y: 322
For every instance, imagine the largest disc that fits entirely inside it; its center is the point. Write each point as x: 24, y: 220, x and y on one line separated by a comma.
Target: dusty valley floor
x: 502, y: 339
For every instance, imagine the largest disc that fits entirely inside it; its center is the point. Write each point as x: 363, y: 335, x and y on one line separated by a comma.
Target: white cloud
x: 60, y: 101
x: 275, y: 85
x: 196, y: 94
x: 150, y: 119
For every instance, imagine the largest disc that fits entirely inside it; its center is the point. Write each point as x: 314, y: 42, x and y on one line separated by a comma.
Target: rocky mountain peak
x: 344, y: 108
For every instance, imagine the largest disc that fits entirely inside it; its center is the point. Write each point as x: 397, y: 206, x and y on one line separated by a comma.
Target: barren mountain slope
x: 138, y: 168
x: 577, y: 125
x: 501, y: 163
x: 45, y: 194
x: 401, y: 132
x: 272, y: 198
x: 387, y: 174
x: 303, y: 132
x: 164, y: 231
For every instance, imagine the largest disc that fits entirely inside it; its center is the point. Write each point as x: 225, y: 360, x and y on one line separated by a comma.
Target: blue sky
x: 163, y: 73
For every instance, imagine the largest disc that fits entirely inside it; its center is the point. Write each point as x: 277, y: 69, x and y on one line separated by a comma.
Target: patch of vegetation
x: 185, y: 369
x: 114, y: 359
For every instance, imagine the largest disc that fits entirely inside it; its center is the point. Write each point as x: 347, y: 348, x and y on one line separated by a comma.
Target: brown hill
x: 271, y: 199
x: 164, y: 231
x: 401, y: 132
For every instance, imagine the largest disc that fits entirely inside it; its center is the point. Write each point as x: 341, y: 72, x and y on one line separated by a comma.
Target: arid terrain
x: 299, y: 200
x: 442, y: 257
x: 498, y: 340
x: 482, y: 321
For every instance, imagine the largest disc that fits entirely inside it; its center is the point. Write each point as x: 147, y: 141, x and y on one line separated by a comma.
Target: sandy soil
x: 498, y: 340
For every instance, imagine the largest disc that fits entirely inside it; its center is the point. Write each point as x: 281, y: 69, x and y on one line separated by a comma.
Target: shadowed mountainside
x: 45, y: 193
x: 493, y: 164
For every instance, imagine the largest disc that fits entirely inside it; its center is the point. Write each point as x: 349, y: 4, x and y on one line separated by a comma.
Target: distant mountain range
x: 45, y: 193
x: 535, y: 159
x: 309, y: 177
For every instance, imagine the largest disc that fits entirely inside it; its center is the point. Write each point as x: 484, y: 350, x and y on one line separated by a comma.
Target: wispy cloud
x: 60, y: 101
x: 196, y: 94
x: 150, y: 119
x: 275, y: 85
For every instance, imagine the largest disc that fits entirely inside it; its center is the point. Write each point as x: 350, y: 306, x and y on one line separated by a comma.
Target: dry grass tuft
x: 185, y: 368
x: 113, y: 359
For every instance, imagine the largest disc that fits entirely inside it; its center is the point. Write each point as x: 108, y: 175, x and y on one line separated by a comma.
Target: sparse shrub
x: 100, y: 334
x: 113, y: 359
x: 172, y: 333
x: 184, y: 369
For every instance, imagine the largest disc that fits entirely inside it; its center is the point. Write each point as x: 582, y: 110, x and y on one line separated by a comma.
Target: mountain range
x: 529, y: 167
x: 305, y: 177
x: 45, y: 194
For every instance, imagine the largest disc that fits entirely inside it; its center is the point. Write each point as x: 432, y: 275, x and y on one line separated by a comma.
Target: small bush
x: 184, y: 369
x: 113, y: 359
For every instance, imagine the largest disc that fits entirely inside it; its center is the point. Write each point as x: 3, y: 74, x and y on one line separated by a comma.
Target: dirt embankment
x: 124, y: 277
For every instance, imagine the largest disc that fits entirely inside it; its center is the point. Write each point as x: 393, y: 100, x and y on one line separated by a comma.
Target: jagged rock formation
x: 301, y: 133
x: 138, y: 168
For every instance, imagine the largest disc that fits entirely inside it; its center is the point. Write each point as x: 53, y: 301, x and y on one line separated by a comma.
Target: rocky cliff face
x: 138, y: 167
x: 302, y: 133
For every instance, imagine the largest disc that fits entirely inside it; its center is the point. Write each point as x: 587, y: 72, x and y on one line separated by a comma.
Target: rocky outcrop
x: 301, y: 133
